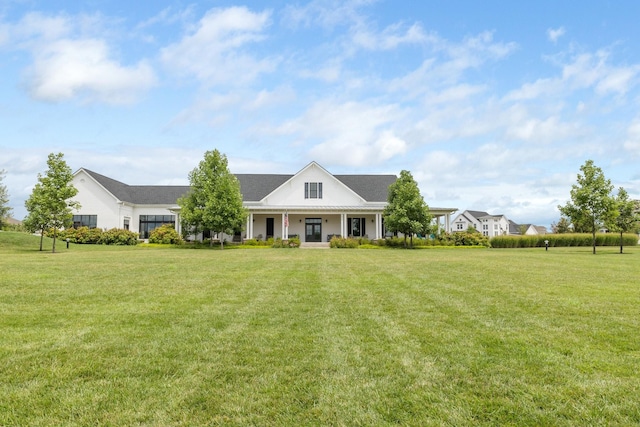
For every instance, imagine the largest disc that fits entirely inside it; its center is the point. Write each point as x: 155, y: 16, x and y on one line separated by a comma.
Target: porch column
x: 447, y: 226
x: 343, y: 225
x: 377, y: 226
x: 285, y: 226
x: 250, y: 226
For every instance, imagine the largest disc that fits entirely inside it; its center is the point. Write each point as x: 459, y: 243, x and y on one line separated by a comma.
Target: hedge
x: 563, y: 240
x: 86, y: 235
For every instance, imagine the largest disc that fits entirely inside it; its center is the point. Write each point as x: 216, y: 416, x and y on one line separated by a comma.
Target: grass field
x: 130, y: 336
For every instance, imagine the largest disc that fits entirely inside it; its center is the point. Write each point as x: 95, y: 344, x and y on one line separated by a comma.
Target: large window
x: 313, y: 190
x: 90, y: 221
x: 148, y: 223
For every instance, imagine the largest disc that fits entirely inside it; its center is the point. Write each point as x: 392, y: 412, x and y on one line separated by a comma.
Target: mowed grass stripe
x: 342, y: 337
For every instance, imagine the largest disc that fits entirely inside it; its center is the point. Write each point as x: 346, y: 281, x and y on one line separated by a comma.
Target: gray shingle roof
x: 372, y: 188
x: 254, y: 187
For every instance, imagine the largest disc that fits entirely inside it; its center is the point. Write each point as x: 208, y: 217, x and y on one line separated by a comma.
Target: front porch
x: 314, y: 227
x: 320, y: 225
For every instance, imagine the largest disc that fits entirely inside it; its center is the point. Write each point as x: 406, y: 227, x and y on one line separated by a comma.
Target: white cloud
x: 390, y: 38
x: 555, y: 34
x: 70, y: 63
x: 350, y: 133
x: 450, y: 61
x: 583, y: 71
x: 324, y: 13
x: 632, y: 144
x: 213, y: 53
x: 67, y: 69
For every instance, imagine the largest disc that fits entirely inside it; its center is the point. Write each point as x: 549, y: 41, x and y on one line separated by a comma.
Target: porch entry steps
x: 314, y: 245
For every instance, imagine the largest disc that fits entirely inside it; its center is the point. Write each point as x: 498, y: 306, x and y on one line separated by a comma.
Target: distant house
x: 312, y: 204
x: 492, y: 225
x: 488, y: 225
x: 533, y: 230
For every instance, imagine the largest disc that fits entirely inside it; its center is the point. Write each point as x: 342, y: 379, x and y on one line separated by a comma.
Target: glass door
x: 313, y: 230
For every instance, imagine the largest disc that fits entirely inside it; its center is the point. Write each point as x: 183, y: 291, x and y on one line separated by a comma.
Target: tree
x: 406, y: 211
x: 50, y: 205
x: 37, y: 219
x: 591, y: 205
x: 627, y: 216
x: 562, y: 226
x: 214, y: 201
x: 5, y: 209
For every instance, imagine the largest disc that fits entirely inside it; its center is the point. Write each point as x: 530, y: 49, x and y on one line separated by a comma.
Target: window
x: 126, y: 224
x: 460, y: 226
x: 90, y: 221
x: 148, y: 223
x: 313, y: 190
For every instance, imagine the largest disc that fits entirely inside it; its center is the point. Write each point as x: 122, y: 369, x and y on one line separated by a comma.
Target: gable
x: 313, y: 186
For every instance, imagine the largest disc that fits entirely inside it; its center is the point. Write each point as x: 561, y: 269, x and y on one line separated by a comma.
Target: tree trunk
x: 210, y: 238
x: 41, y: 238
x: 594, y: 241
x: 621, y: 241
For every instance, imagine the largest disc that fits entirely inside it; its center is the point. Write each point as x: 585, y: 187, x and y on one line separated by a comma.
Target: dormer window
x: 313, y: 190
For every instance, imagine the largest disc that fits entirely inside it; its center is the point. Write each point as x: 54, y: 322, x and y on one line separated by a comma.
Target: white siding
x: 95, y: 200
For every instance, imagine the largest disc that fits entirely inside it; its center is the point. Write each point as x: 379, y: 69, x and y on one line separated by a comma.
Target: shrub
x: 92, y: 236
x: 166, y: 235
x: 293, y: 242
x: 343, y: 242
x: 256, y: 242
x: 81, y: 235
x: 470, y: 238
x: 118, y: 236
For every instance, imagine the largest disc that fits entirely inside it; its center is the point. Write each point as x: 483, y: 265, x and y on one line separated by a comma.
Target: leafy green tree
x: 592, y: 205
x: 37, y: 219
x: 562, y: 226
x: 214, y: 201
x: 627, y: 216
x: 5, y: 209
x: 50, y: 205
x: 406, y: 211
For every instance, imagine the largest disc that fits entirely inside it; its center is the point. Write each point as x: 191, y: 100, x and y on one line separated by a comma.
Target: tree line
x: 594, y: 207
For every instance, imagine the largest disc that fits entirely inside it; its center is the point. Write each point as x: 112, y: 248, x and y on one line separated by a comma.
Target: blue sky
x: 492, y: 106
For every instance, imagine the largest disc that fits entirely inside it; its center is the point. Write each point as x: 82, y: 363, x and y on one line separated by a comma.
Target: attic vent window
x: 313, y: 190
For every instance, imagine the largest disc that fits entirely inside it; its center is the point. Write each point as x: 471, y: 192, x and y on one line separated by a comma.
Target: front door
x: 269, y: 228
x: 313, y: 230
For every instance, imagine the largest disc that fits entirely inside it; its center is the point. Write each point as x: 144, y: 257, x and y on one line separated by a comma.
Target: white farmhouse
x: 312, y: 204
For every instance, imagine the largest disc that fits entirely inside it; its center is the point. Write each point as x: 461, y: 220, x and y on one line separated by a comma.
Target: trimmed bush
x: 166, y: 235
x: 118, y: 236
x: 81, y: 235
x: 293, y: 242
x: 344, y: 242
x: 93, y: 236
x: 256, y: 242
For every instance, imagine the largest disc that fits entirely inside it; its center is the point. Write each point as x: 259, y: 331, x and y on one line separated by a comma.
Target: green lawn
x: 100, y: 335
